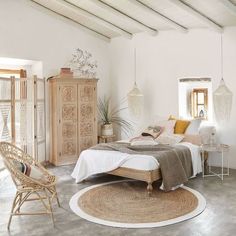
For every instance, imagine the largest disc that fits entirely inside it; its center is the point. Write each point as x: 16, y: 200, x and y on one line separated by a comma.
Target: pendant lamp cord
x: 221, y: 45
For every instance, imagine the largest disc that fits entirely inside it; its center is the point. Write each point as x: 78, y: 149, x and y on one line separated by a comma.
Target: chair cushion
x: 31, y: 171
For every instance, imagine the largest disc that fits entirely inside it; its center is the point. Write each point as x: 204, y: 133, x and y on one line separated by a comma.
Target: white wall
x: 163, y: 59
x: 28, y: 32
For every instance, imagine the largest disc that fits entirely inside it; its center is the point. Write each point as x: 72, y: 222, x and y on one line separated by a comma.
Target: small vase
x: 107, y: 129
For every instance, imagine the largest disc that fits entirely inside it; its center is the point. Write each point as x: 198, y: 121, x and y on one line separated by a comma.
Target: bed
x: 139, y: 167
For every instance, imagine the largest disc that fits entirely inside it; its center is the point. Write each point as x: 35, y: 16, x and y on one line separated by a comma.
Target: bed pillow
x: 206, y: 132
x: 180, y: 125
x: 143, y: 141
x: 153, y: 131
x: 167, y: 125
x: 169, y: 139
x: 193, y: 127
x: 192, y: 138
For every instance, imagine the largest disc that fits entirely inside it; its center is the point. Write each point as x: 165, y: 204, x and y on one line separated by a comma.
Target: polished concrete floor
x: 219, y: 218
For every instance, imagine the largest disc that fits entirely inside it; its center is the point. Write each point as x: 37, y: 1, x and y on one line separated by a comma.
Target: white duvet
x: 93, y: 162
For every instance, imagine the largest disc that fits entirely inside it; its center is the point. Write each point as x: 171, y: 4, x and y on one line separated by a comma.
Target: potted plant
x: 109, y: 116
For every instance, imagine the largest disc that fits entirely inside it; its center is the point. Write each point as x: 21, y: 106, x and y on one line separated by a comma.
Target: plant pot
x: 107, y: 129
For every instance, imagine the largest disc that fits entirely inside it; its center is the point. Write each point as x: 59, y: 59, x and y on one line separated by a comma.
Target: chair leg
x: 20, y: 199
x: 50, y: 207
x: 12, y: 210
x: 51, y: 212
x: 58, y: 202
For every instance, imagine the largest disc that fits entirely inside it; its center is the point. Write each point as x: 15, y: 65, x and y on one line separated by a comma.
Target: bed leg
x: 149, y: 188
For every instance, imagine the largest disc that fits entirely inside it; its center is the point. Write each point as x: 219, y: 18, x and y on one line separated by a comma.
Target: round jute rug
x: 126, y: 204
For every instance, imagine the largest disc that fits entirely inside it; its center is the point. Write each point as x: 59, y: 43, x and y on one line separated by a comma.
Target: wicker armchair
x: 43, y: 191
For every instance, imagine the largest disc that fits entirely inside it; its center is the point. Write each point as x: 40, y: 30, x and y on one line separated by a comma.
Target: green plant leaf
x: 111, y: 115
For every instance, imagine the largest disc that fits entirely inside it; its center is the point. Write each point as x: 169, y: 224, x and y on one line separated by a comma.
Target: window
x: 195, y: 98
x: 199, y: 100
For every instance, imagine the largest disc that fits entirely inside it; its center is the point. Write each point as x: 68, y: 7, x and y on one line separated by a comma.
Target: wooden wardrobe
x: 73, y: 118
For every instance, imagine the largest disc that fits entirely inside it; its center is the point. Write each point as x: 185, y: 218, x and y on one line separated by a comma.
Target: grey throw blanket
x: 175, y: 162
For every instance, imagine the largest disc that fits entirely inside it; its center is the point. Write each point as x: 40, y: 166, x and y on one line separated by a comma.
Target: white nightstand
x: 220, y: 148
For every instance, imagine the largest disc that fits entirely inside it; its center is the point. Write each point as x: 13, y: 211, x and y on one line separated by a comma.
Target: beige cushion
x: 168, y: 126
x: 169, y: 139
x: 142, y: 140
x: 191, y: 138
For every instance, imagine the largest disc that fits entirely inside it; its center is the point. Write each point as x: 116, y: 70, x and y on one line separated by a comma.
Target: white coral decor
x: 82, y: 65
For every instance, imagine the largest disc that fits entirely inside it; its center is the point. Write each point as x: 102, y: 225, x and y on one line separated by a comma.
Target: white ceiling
x: 113, y: 18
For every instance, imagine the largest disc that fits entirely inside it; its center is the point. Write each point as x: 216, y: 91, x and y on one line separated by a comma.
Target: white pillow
x: 193, y: 127
x: 168, y: 126
x: 206, y: 133
x: 169, y: 139
x: 143, y: 141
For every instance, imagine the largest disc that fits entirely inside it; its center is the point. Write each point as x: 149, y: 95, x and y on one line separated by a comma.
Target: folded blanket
x: 175, y: 161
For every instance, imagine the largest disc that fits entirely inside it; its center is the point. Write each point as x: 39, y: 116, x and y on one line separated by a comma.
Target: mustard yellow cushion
x: 180, y: 125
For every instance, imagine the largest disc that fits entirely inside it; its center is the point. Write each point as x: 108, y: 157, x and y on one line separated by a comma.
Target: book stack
x: 66, y: 73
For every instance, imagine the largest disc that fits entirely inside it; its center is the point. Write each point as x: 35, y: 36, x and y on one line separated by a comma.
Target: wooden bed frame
x: 143, y: 175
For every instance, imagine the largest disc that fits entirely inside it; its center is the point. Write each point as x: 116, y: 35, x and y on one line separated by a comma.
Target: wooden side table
x: 219, y: 148
x: 105, y: 138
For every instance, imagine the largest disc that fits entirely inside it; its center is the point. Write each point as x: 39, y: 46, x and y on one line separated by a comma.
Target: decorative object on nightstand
x: 73, y: 118
x: 105, y: 138
x: 217, y: 148
x: 109, y: 116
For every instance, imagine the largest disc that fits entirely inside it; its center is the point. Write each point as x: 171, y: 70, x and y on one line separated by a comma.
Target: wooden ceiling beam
x: 95, y: 32
x: 229, y: 5
x: 125, y: 17
x: 151, y: 11
x: 95, y: 18
x: 207, y: 21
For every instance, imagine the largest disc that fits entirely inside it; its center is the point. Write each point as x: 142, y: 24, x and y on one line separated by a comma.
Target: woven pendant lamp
x: 222, y: 97
x: 135, y: 96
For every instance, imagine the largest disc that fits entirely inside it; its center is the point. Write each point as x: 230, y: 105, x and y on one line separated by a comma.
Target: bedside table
x: 105, y: 138
x: 218, y: 148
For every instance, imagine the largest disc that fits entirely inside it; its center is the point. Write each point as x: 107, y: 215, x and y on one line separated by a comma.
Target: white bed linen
x: 93, y: 162
x: 196, y: 157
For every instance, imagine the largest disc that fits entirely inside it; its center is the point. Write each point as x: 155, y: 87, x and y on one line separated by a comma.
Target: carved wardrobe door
x: 68, y: 122
x: 73, y: 118
x: 87, y: 115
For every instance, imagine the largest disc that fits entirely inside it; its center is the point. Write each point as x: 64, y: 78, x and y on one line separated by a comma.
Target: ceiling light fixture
x: 222, y: 96
x: 135, y: 96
